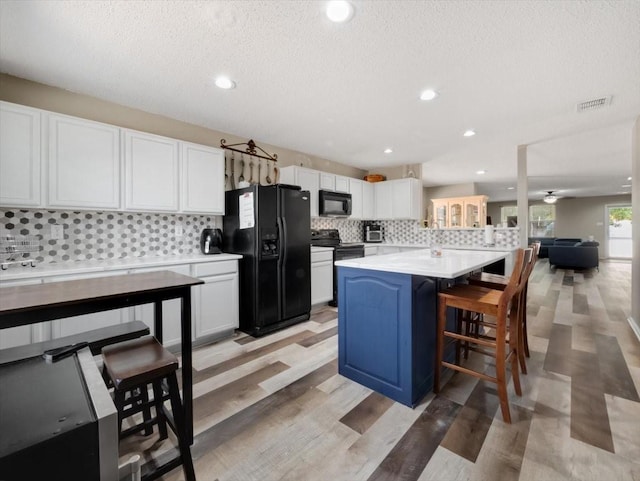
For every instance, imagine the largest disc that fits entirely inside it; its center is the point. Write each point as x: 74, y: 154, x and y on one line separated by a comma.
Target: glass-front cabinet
x: 468, y: 212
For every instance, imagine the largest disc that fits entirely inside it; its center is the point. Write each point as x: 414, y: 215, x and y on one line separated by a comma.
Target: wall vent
x: 593, y: 104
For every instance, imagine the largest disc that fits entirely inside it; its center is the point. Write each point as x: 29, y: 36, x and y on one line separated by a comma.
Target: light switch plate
x: 178, y: 230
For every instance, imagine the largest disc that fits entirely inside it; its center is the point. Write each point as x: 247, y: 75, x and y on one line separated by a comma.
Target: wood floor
x: 275, y: 408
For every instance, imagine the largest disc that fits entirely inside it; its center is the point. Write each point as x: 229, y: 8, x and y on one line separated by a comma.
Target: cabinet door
x: 471, y: 214
x: 19, y: 155
x: 368, y: 201
x: 216, y: 305
x: 327, y: 181
x: 321, y: 282
x: 406, y: 198
x: 202, y: 179
x: 355, y: 189
x: 440, y: 214
x: 383, y: 200
x: 22, y: 335
x: 151, y: 172
x: 342, y: 183
x: 310, y: 180
x: 171, y: 309
x: 455, y: 213
x: 216, y: 302
x: 86, y: 322
x: 84, y: 163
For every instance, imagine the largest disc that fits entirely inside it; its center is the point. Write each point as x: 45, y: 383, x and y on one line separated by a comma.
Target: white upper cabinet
x: 383, y: 198
x: 151, y: 172
x: 406, y: 198
x: 19, y: 155
x: 368, y: 201
x: 355, y: 189
x: 398, y: 199
x: 327, y: 181
x: 202, y: 185
x: 84, y: 163
x: 307, y: 179
x: 342, y: 183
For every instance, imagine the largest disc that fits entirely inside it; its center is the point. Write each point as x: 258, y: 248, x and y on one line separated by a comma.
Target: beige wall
x: 585, y: 216
x: 33, y: 94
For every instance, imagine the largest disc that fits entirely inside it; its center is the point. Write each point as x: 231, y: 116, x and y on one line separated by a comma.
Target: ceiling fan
x: 550, y: 198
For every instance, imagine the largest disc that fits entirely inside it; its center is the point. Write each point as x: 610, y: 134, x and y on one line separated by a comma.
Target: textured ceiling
x: 512, y: 70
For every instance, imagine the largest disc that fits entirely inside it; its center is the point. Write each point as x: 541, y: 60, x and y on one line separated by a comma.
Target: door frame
x: 606, y: 228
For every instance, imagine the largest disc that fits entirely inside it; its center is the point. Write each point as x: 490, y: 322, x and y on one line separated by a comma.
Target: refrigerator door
x: 294, y: 279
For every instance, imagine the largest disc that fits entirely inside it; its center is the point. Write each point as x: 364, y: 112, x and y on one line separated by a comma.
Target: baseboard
x: 635, y: 326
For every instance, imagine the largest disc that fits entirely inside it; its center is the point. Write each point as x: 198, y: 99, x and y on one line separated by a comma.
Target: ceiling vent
x: 593, y: 104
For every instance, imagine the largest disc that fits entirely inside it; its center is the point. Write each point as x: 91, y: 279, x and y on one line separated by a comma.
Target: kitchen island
x: 387, y: 317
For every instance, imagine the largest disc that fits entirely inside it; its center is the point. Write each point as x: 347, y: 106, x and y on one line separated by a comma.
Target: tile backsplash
x: 106, y: 235
x: 111, y: 235
x: 411, y: 232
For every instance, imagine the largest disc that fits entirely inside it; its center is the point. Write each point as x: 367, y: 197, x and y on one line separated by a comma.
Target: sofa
x: 581, y: 255
x: 545, y: 242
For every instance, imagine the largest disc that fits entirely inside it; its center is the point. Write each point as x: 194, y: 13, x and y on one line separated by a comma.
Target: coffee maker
x: 211, y: 241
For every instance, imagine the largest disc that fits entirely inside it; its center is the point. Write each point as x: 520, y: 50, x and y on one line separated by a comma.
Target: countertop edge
x: 88, y: 267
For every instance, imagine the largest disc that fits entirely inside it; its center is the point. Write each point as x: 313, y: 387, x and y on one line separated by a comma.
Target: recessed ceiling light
x: 469, y: 133
x: 428, y: 95
x: 481, y: 172
x: 510, y: 188
x: 225, y: 83
x: 339, y: 11
x: 387, y: 151
x: 628, y: 178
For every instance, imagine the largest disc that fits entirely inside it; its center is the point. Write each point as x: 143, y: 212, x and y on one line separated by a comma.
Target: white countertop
x: 321, y: 249
x: 453, y: 263
x: 17, y: 272
x: 447, y: 246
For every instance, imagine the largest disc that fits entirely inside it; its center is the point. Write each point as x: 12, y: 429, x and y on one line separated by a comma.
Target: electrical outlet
x: 178, y: 231
x: 57, y: 231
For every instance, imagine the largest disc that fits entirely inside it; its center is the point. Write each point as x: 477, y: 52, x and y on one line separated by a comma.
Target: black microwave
x: 334, y: 204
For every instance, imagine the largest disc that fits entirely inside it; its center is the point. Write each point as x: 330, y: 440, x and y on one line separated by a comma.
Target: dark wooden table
x: 30, y: 304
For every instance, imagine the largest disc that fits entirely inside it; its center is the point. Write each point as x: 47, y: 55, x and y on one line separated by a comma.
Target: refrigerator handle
x: 282, y: 257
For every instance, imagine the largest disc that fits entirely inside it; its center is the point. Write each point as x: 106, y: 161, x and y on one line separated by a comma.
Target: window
x: 541, y: 219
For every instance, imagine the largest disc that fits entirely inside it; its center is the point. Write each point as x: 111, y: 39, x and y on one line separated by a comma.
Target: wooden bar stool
x: 133, y: 366
x: 491, y: 302
x: 499, y: 282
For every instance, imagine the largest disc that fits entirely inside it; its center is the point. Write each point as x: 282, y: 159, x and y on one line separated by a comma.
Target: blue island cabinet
x: 387, y: 331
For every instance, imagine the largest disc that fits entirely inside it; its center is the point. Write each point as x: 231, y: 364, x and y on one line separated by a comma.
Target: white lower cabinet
x: 216, y: 302
x: 21, y: 335
x: 321, y: 277
x: 171, y: 310
x: 370, y: 251
x: 86, y: 322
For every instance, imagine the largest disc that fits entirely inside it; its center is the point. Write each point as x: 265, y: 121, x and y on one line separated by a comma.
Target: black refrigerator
x: 270, y: 227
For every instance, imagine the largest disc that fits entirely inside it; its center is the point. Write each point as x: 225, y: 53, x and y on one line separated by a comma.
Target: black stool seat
x: 132, y: 366
x: 138, y: 361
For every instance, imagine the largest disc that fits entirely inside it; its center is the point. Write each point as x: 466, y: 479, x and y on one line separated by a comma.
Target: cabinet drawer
x: 321, y: 256
x: 215, y: 268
